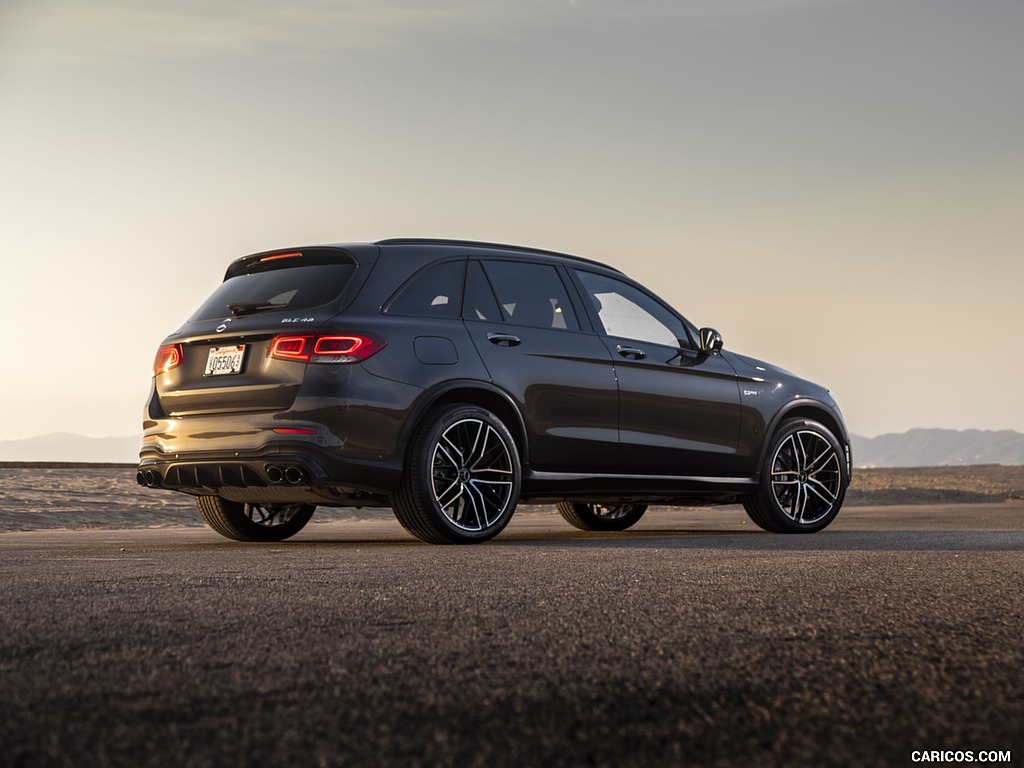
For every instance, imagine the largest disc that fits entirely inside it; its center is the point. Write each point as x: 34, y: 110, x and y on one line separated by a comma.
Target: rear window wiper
x: 239, y: 308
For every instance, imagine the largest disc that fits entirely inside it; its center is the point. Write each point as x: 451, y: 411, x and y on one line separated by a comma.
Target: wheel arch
x: 477, y: 393
x: 808, y: 409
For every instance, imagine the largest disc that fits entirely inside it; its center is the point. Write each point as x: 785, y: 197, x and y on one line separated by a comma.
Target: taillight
x: 345, y: 349
x: 291, y: 347
x: 350, y: 348
x: 167, y: 357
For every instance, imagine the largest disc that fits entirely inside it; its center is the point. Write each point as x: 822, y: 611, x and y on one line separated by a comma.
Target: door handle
x: 504, y: 339
x: 632, y: 353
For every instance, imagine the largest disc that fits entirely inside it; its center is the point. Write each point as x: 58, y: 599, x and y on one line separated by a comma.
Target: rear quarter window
x: 434, y: 292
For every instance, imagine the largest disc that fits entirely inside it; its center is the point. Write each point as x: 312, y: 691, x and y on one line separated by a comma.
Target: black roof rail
x: 492, y: 246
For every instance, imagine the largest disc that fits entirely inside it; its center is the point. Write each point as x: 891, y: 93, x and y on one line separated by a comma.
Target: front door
x: 679, y: 408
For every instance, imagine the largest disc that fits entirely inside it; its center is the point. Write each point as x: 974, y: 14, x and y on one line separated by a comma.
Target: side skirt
x: 549, y: 487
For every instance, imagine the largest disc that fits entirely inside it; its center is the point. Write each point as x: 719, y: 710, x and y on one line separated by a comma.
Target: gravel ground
x: 354, y: 645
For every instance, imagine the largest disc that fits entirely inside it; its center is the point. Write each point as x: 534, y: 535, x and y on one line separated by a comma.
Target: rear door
x: 538, y: 348
x: 679, y: 408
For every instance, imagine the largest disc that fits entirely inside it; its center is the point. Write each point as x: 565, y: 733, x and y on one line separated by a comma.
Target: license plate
x: 225, y: 360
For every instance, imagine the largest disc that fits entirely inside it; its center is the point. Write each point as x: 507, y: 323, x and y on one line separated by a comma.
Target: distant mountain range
x: 939, y: 447
x: 916, y: 448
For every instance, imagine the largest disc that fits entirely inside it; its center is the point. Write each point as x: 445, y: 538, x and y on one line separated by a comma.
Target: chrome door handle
x: 504, y: 339
x: 633, y: 353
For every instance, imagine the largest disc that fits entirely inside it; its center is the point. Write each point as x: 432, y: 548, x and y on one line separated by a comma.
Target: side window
x: 434, y: 292
x: 479, y: 303
x: 629, y: 313
x: 532, y: 294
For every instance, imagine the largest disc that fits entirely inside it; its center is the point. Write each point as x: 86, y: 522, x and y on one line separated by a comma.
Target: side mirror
x: 710, y: 341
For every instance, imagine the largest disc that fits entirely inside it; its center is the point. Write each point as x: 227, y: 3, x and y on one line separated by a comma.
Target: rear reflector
x: 326, y: 348
x: 293, y: 431
x: 167, y: 357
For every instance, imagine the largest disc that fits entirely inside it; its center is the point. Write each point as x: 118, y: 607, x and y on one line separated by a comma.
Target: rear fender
x: 471, y: 392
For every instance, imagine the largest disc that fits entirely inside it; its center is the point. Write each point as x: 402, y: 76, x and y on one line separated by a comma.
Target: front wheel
x: 462, y: 479
x: 803, y: 480
x: 601, y: 517
x: 245, y: 521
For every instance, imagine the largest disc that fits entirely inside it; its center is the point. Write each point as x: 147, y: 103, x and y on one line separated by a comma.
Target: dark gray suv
x: 453, y: 380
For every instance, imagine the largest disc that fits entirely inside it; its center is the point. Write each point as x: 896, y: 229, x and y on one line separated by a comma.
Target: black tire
x: 601, y: 517
x: 803, y: 480
x: 462, y: 479
x: 252, y: 521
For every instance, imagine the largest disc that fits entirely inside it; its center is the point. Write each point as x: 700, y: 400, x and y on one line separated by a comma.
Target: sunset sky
x: 836, y: 185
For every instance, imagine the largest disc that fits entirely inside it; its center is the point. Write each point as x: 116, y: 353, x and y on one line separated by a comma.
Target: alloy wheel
x: 472, y: 474
x: 806, y: 477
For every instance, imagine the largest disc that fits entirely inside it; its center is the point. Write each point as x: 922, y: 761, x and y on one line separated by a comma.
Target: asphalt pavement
x: 694, y: 639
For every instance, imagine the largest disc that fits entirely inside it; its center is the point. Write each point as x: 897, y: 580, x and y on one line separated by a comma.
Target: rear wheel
x: 803, y: 480
x: 601, y: 517
x: 461, y: 482
x: 243, y: 521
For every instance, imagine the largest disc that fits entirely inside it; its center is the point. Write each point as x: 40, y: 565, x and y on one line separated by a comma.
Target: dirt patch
x: 936, y: 485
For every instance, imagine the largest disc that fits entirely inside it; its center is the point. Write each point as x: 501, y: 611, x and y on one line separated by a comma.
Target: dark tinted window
x: 532, y: 294
x: 294, y: 288
x: 629, y: 313
x: 480, y: 303
x: 434, y: 292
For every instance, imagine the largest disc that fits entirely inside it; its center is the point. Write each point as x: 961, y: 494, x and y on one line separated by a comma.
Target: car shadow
x: 825, y: 541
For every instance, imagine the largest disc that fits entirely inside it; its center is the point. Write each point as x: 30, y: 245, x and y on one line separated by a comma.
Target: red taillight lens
x: 345, y: 349
x: 167, y: 357
x: 352, y: 348
x: 291, y: 347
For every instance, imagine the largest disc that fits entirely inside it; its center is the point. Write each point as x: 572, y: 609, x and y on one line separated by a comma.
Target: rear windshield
x: 292, y: 289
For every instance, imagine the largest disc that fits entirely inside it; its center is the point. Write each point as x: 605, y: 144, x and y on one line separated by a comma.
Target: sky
x: 837, y: 186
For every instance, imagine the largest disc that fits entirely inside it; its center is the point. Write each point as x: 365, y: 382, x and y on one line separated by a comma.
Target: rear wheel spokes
x: 271, y: 515
x: 611, y: 511
x: 472, y: 474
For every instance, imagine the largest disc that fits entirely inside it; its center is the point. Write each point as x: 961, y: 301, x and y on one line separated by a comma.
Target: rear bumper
x: 276, y: 472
